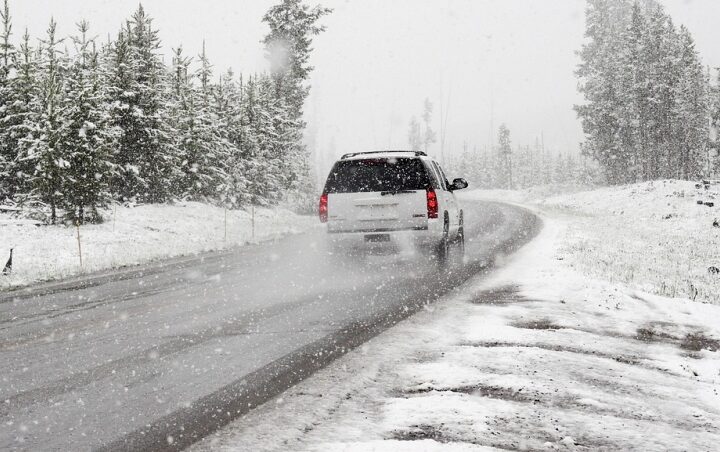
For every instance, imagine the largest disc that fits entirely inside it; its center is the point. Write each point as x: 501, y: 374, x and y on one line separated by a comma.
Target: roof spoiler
x: 353, y: 154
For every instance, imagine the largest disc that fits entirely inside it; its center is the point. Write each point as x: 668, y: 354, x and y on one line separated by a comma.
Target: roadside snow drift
x: 134, y: 235
x: 661, y: 237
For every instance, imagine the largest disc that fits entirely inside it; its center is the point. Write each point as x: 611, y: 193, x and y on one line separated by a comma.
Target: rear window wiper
x: 395, y: 192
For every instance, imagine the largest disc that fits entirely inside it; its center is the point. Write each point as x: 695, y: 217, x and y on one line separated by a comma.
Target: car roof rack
x: 353, y: 154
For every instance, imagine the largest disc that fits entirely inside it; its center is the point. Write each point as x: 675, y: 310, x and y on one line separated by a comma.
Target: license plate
x: 375, y: 238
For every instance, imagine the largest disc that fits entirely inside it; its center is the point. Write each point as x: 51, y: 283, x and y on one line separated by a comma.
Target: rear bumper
x: 379, y: 230
x: 418, y: 236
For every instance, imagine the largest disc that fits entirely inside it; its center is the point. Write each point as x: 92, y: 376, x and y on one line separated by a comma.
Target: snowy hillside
x: 652, y: 235
x: 136, y: 235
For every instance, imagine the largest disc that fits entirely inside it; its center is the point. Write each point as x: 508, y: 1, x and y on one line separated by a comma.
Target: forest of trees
x: 522, y: 167
x: 111, y: 121
x: 649, y: 103
x: 649, y: 112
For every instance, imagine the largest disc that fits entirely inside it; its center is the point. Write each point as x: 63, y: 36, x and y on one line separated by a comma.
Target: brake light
x: 432, y: 204
x: 323, y: 209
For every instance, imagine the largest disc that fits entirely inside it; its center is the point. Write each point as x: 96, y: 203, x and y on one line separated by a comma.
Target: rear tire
x: 442, y: 250
x: 461, y: 237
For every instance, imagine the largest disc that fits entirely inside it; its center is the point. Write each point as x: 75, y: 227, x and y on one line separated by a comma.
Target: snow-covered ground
x: 134, y: 235
x: 548, y: 354
x: 653, y: 236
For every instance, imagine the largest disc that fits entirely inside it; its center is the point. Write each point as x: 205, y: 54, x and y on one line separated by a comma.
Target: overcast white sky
x: 379, y: 59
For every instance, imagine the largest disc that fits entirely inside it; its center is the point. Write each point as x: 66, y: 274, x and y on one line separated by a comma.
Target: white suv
x: 392, y: 196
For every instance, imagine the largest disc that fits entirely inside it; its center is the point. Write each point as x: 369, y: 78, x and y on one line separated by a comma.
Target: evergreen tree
x: 8, y: 145
x: 227, y: 101
x: 44, y: 122
x: 78, y: 129
x: 691, y: 127
x: 428, y: 136
x: 147, y: 160
x: 415, y: 138
x: 646, y: 110
x: 18, y: 121
x: 288, y: 46
x: 504, y: 154
x: 87, y: 137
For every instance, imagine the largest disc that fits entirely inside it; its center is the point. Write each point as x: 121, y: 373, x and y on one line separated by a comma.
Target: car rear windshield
x: 370, y: 175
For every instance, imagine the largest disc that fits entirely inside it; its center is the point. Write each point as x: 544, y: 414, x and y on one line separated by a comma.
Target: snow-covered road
x: 162, y: 358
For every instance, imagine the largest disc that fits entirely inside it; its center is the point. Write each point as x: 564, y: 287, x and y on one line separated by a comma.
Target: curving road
x: 158, y: 357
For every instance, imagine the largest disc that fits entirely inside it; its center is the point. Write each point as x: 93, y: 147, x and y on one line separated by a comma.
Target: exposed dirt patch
x: 441, y: 435
x: 420, y: 432
x: 625, y: 359
x: 501, y: 296
x: 650, y: 334
x: 482, y: 390
x: 536, y: 435
x: 538, y: 324
x: 692, y: 342
x: 695, y: 342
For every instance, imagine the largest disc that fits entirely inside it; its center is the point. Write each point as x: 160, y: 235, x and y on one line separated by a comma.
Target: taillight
x: 323, y: 210
x: 432, y: 203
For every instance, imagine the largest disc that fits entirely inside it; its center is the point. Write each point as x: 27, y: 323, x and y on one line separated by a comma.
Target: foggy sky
x: 486, y: 61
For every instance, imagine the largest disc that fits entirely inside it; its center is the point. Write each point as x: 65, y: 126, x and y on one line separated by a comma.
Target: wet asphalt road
x: 163, y: 355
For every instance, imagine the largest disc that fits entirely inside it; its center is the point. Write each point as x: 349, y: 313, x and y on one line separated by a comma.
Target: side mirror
x: 458, y: 184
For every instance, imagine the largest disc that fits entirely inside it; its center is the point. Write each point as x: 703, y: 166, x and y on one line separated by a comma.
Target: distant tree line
x: 422, y: 136
x: 111, y: 121
x: 649, y: 104
x: 522, y: 167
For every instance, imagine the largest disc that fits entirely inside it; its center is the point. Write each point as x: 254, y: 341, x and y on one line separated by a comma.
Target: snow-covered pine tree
x: 522, y: 170
x: 645, y: 93
x: 182, y: 117
x: 712, y: 165
x: 504, y: 155
x: 571, y: 169
x: 634, y: 114
x: 252, y: 123
x: 199, y: 143
x: 18, y: 119
x: 691, y: 129
x: 598, y: 72
x: 265, y: 156
x: 287, y: 152
x: 288, y: 46
x: 214, y: 161
x: 227, y: 99
x: 148, y: 165
x: 559, y: 171
x: 428, y: 136
x: 415, y: 139
x: 664, y: 77
x: 44, y: 123
x: 8, y: 145
x: 87, y: 137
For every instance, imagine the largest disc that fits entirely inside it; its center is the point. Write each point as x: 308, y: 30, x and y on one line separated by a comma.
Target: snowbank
x: 653, y: 236
x: 134, y: 235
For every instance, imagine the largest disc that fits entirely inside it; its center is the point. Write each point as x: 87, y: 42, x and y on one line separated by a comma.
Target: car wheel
x: 443, y: 248
x: 461, y: 235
